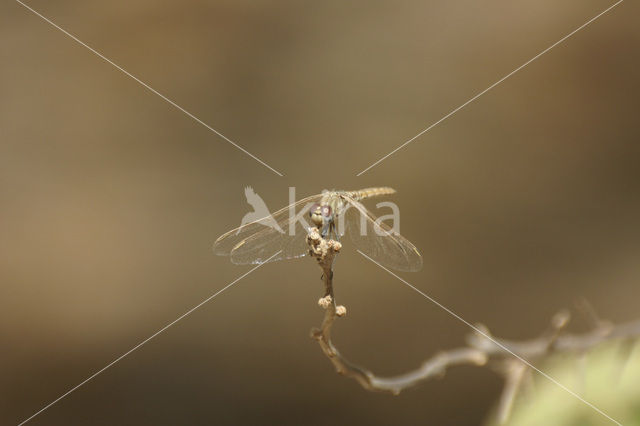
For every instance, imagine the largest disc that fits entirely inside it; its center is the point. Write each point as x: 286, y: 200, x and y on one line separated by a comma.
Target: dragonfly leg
x: 329, y: 231
x: 326, y: 229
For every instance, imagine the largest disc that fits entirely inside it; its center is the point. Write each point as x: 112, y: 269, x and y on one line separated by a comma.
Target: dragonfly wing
x: 379, y: 241
x: 254, y: 242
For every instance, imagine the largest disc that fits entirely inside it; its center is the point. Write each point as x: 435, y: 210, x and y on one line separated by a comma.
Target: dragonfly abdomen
x: 371, y: 192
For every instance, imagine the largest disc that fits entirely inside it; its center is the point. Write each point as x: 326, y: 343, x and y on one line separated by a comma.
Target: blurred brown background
x: 522, y: 203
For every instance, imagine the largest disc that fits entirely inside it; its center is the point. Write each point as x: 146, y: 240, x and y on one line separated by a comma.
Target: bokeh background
x: 522, y: 203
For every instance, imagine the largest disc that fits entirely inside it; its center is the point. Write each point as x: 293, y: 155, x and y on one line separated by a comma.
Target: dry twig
x: 479, y: 350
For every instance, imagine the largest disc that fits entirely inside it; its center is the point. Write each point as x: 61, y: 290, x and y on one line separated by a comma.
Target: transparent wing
x: 255, y: 242
x: 378, y: 241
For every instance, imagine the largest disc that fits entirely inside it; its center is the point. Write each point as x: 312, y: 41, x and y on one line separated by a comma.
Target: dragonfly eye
x: 316, y: 215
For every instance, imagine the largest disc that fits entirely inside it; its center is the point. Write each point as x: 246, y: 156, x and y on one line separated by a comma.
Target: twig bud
x: 325, y: 302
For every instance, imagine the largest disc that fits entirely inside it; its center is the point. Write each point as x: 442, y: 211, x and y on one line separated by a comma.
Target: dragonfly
x: 333, y: 213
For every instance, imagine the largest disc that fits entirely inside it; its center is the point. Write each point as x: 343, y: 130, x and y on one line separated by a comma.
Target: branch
x: 479, y: 350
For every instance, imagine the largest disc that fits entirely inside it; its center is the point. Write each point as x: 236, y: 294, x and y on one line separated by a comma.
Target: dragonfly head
x: 320, y: 215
